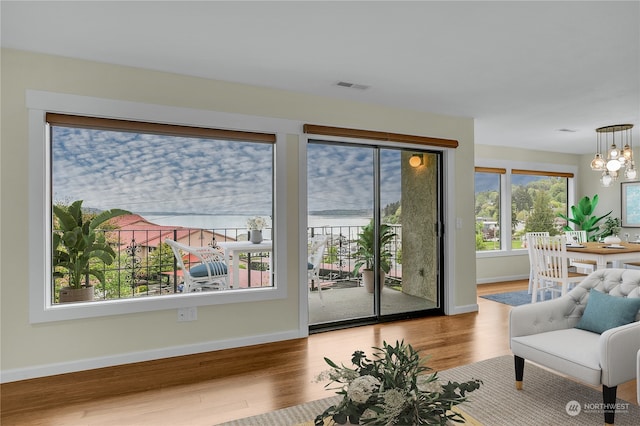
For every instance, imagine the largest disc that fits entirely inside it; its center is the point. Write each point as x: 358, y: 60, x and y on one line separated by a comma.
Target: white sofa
x: 546, y: 334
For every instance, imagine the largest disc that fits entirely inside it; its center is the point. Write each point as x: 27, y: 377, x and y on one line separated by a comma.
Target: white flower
x: 394, y: 401
x: 361, y: 388
x: 256, y: 223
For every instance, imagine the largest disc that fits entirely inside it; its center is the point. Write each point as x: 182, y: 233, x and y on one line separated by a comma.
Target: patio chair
x: 551, y: 269
x: 317, y: 245
x: 584, y: 265
x: 211, y: 272
x: 591, y: 334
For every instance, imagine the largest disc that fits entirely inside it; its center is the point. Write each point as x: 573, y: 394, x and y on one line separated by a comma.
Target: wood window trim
x: 379, y: 136
x: 541, y: 173
x: 66, y: 120
x: 497, y: 170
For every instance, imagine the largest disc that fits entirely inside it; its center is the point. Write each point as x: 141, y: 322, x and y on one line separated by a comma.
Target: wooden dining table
x: 603, y: 253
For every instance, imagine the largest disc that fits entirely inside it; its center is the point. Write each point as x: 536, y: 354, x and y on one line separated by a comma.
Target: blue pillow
x: 217, y: 268
x: 604, y: 312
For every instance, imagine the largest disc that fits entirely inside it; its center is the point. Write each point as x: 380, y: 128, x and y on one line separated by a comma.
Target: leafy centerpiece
x: 392, y: 388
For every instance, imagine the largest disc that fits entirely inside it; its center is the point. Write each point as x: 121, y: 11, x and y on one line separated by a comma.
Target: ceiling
x: 526, y: 71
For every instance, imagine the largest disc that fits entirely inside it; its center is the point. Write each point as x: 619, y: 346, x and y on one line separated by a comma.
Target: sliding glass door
x: 378, y: 210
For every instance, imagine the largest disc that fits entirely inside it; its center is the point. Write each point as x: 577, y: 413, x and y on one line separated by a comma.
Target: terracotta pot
x: 367, y: 279
x: 82, y: 294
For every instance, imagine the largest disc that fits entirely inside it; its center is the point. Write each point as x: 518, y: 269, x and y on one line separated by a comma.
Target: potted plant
x: 76, y: 246
x: 365, y: 253
x: 609, y: 230
x: 583, y: 217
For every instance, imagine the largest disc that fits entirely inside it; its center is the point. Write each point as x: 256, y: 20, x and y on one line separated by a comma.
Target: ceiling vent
x: 352, y: 85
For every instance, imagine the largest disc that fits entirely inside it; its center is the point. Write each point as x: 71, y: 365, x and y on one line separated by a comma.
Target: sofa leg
x: 519, y: 365
x: 609, y: 399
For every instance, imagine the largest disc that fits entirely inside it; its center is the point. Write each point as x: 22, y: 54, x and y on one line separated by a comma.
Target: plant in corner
x: 582, y: 216
x: 76, y: 246
x: 365, y: 253
x: 393, y: 388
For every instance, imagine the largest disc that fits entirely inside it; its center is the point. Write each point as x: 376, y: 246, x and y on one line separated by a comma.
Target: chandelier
x: 616, y: 157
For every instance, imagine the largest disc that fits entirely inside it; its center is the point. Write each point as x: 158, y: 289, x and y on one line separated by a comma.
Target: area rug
x: 547, y: 398
x: 513, y: 298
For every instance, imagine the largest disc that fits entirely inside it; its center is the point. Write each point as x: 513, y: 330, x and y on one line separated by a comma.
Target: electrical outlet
x: 187, y: 314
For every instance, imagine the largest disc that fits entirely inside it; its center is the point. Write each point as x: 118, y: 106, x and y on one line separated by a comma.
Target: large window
x: 196, y: 186
x: 509, y: 202
x: 192, y: 176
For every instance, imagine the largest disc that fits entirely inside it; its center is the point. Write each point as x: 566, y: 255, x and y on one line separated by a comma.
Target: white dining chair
x: 581, y: 265
x: 531, y: 263
x: 551, y: 268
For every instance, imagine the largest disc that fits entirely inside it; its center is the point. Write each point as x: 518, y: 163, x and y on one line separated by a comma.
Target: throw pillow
x: 604, y: 312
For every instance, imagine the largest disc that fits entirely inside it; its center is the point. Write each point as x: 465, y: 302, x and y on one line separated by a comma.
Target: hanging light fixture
x: 617, y: 158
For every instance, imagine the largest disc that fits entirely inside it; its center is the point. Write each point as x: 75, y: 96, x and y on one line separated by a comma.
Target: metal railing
x: 145, y: 266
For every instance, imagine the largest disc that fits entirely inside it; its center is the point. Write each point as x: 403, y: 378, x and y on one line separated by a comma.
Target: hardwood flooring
x: 207, y: 389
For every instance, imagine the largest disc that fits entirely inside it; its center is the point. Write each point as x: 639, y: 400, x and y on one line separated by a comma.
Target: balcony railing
x: 145, y: 266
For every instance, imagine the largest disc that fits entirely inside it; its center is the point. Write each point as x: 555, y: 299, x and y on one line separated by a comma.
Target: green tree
x: 521, y: 199
x: 542, y: 216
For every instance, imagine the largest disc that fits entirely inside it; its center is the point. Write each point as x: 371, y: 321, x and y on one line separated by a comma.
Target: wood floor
x: 207, y: 389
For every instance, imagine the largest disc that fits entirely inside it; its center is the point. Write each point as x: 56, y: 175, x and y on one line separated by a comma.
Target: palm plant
x: 585, y: 219
x: 76, y: 243
x: 365, y: 254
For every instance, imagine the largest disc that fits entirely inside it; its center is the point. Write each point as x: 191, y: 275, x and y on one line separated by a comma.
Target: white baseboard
x: 122, y: 359
x: 464, y: 309
x: 501, y: 279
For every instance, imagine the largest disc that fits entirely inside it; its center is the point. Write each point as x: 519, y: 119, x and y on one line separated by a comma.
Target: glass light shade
x: 630, y: 173
x: 613, y: 152
x: 613, y: 165
x: 415, y: 160
x: 606, y: 180
x: 597, y: 163
x: 627, y: 153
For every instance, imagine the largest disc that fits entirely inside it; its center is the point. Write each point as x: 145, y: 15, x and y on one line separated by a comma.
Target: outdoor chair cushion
x: 217, y: 268
x: 604, y: 312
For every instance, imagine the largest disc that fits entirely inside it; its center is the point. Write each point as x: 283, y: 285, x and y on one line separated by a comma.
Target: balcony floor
x: 356, y: 302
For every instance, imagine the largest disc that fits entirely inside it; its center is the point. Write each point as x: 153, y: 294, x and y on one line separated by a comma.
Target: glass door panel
x: 340, y: 189
x: 410, y: 218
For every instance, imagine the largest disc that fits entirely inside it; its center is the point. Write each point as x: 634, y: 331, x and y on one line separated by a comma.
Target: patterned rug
x: 547, y: 398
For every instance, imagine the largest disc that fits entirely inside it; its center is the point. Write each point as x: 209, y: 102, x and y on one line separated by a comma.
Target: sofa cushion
x: 604, y: 312
x: 570, y: 351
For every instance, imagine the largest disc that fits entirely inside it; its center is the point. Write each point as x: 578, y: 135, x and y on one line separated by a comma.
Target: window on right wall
x: 510, y: 202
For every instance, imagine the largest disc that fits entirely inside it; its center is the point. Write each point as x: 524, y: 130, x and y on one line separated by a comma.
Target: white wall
x: 39, y: 349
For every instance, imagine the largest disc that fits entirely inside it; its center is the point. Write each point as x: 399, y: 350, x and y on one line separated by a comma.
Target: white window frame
x: 505, y: 198
x: 41, y: 309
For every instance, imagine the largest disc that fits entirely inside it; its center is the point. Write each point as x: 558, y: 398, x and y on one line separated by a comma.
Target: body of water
x: 233, y: 221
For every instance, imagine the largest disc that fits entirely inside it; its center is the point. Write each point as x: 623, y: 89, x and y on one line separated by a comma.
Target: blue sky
x: 157, y: 173
x: 341, y: 177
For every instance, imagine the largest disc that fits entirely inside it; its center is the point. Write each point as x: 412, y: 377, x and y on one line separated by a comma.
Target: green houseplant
x: 583, y: 217
x: 77, y: 246
x: 365, y: 254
